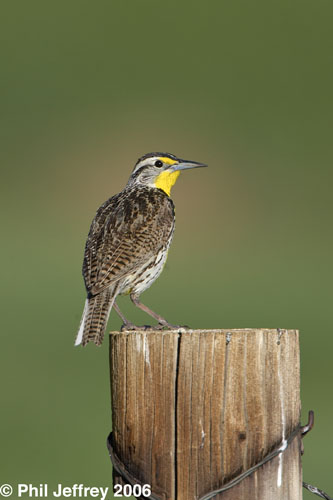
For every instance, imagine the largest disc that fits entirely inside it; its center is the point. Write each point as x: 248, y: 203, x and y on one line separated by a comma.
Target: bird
x: 128, y: 243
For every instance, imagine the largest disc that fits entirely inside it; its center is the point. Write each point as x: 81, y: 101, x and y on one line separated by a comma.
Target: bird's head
x: 160, y: 170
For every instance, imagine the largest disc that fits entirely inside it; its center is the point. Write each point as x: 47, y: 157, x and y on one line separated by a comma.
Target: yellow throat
x: 166, y: 180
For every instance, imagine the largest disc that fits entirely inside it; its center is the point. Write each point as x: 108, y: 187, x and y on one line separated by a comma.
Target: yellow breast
x: 166, y: 180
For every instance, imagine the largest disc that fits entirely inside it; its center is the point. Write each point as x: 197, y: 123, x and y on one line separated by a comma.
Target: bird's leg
x: 162, y: 322
x: 128, y: 325
x: 120, y: 314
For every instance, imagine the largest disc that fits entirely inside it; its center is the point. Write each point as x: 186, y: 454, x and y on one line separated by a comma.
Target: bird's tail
x: 95, y: 317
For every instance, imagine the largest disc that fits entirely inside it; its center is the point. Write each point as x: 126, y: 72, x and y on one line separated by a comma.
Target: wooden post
x: 193, y: 410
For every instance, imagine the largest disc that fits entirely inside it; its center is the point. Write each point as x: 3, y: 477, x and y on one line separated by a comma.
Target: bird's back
x: 128, y: 230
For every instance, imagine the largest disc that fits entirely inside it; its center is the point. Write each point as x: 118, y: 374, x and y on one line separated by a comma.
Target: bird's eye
x: 158, y: 163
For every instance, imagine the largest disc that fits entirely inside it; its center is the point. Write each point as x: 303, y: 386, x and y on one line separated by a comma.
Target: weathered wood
x: 193, y: 409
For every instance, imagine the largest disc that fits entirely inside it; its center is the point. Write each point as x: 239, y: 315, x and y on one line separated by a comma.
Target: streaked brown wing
x: 126, y: 232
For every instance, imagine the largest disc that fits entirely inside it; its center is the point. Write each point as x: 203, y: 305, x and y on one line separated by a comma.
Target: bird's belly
x: 145, y: 276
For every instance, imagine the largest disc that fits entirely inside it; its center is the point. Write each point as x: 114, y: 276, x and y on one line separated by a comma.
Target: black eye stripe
x: 158, y: 163
x: 138, y: 172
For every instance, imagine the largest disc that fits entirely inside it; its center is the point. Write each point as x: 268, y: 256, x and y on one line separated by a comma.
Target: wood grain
x: 193, y: 409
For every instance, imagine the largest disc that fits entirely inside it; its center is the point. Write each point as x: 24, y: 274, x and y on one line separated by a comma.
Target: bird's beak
x: 184, y: 165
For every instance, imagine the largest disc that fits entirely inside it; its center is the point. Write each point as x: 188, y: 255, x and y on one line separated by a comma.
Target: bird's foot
x: 168, y: 326
x: 128, y: 327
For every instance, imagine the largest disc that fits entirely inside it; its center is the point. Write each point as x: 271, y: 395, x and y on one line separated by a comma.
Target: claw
x: 128, y: 327
x: 169, y: 326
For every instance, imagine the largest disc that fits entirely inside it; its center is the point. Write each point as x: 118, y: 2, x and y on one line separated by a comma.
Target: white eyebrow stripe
x: 146, y: 161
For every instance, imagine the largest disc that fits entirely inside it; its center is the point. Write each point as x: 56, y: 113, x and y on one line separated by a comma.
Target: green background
x: 87, y: 88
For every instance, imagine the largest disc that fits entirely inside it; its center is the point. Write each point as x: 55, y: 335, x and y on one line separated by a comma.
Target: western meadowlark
x: 128, y: 243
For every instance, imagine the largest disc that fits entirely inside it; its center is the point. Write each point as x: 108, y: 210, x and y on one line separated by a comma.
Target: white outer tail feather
x: 85, y: 315
x: 79, y: 336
